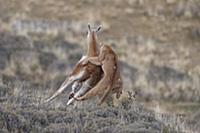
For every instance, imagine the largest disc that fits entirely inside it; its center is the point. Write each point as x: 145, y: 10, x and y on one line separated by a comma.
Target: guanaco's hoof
x: 71, y: 95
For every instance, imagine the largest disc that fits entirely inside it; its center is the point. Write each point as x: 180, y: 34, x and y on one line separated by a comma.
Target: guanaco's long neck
x: 92, y: 44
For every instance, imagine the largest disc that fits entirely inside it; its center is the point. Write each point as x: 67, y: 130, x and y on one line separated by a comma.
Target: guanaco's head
x: 92, y: 40
x: 92, y: 32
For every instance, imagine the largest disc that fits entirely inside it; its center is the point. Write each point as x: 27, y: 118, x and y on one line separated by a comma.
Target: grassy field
x: 158, y: 47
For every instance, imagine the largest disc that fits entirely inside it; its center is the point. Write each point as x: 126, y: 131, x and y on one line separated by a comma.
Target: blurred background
x: 157, y: 42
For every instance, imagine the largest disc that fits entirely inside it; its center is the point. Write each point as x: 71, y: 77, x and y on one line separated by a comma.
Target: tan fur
x: 83, y: 72
x: 111, y: 81
x: 92, y: 42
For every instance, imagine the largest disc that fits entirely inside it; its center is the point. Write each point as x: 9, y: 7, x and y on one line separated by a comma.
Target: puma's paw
x: 118, y: 95
x: 99, y: 103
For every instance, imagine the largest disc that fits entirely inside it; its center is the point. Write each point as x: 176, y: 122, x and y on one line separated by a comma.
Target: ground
x: 158, y: 47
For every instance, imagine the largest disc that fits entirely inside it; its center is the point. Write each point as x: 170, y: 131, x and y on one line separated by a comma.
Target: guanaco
x: 111, y: 81
x: 88, y: 73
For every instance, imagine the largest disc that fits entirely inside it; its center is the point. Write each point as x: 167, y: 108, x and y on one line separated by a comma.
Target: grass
x: 158, y: 47
x: 23, y: 108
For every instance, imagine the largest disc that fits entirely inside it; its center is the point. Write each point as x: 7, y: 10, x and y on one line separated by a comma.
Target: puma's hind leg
x: 91, y: 93
x: 119, y: 92
x: 105, y: 95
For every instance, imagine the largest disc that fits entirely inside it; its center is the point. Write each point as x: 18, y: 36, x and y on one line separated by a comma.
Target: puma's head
x: 105, y: 49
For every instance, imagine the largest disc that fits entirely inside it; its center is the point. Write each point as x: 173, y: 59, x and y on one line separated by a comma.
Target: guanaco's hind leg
x: 66, y: 83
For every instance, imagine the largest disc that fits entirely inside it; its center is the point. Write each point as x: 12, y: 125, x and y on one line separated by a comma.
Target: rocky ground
x: 158, y: 47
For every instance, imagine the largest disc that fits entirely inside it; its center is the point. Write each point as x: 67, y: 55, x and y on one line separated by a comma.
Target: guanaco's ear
x: 89, y: 28
x: 98, y: 29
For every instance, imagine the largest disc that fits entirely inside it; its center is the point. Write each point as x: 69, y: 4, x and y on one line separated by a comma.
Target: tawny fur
x: 92, y: 41
x: 83, y: 72
x: 111, y: 81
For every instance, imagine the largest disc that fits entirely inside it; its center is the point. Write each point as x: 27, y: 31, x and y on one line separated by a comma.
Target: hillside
x: 158, y: 47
